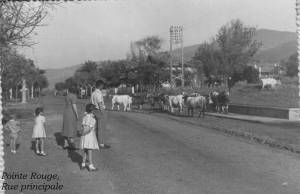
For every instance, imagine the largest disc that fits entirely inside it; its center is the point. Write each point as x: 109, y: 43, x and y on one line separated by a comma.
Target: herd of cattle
x: 217, y: 101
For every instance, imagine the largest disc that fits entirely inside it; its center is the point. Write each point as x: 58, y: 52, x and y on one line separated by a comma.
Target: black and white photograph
x: 150, y: 97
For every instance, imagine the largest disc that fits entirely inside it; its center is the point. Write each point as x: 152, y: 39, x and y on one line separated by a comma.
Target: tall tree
x: 19, y: 19
x: 237, y: 46
x: 207, y: 59
x: 291, y: 65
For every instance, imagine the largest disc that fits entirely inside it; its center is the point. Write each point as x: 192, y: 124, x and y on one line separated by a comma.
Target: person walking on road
x: 100, y: 113
x: 70, y: 118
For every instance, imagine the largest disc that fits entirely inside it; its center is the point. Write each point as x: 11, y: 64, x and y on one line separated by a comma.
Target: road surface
x: 151, y: 153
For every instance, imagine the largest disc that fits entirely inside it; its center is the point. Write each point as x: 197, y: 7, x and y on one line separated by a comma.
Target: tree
x: 251, y: 74
x: 70, y: 82
x: 87, y: 75
x: 149, y: 63
x: 229, y: 53
x: 237, y: 47
x: 18, y: 68
x: 149, y: 46
x: 291, y: 65
x: 60, y: 86
x: 18, y: 20
x: 209, y: 57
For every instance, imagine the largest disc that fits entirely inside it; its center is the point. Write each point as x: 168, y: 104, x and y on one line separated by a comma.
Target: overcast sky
x: 101, y: 30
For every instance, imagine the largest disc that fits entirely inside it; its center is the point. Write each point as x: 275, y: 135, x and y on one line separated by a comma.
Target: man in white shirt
x: 100, y: 113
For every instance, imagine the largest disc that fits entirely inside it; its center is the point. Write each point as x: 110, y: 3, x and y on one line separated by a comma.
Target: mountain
x: 278, y: 53
x: 60, y: 75
x: 276, y: 46
x: 273, y: 38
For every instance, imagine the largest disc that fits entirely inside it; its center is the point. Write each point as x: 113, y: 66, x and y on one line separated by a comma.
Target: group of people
x: 93, y: 124
x: 92, y: 131
x: 12, y: 126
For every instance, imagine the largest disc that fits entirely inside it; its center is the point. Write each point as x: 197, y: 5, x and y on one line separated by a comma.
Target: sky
x: 100, y: 30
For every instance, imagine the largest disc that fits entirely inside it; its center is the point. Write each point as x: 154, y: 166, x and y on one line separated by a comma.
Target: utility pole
x: 171, y: 56
x: 176, y: 37
x: 182, y: 65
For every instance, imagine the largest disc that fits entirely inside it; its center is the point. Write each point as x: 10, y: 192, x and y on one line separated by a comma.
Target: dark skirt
x: 69, y: 123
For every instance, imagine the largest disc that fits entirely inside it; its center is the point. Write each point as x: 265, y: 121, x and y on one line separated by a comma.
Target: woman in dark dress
x: 70, y: 118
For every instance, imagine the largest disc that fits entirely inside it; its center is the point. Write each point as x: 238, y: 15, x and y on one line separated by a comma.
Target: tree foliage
x: 291, y: 65
x: 230, y: 52
x: 18, y: 68
x: 250, y: 74
x: 19, y: 19
x: 209, y: 57
x: 87, y: 74
x: 237, y: 46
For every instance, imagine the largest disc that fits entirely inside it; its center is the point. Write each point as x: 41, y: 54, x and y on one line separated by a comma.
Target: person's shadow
x: 59, y: 139
x: 72, y: 153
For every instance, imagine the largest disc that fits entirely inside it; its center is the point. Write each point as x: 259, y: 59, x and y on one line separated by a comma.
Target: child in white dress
x: 88, y: 137
x: 39, y: 133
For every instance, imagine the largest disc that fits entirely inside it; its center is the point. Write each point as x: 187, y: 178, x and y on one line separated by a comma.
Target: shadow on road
x: 75, y: 156
x: 72, y: 154
x: 59, y: 139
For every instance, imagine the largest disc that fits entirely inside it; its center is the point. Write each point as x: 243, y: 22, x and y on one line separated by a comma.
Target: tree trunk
x: 32, y: 90
x: 23, y: 91
x: 10, y: 93
x: 16, y: 95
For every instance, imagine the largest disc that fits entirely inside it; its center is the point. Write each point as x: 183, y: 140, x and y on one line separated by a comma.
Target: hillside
x: 272, y: 39
x: 278, y: 53
x: 277, y: 45
x: 59, y: 75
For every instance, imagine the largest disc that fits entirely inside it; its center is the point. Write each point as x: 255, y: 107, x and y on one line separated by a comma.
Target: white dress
x: 39, y: 129
x: 89, y: 141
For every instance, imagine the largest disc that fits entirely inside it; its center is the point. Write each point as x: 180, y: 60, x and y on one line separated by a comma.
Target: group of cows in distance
x: 218, y: 101
x: 215, y: 101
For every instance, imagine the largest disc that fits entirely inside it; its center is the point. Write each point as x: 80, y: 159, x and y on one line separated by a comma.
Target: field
x: 285, y: 95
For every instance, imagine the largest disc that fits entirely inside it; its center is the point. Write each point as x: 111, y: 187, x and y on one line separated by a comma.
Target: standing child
x: 88, y: 139
x: 39, y: 133
x: 13, y: 127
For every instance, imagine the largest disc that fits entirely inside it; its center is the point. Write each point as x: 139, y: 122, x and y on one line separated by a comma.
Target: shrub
x: 251, y: 75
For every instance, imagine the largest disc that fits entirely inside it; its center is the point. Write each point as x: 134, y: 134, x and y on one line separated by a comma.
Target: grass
x: 285, y: 95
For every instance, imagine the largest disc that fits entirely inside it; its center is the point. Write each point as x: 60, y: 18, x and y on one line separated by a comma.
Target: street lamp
x: 176, y: 37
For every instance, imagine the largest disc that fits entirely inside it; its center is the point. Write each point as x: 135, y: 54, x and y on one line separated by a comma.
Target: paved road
x: 151, y: 154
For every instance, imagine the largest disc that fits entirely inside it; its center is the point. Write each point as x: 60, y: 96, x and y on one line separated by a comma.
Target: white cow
x: 126, y: 100
x: 166, y: 85
x: 176, y: 101
x: 269, y: 82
